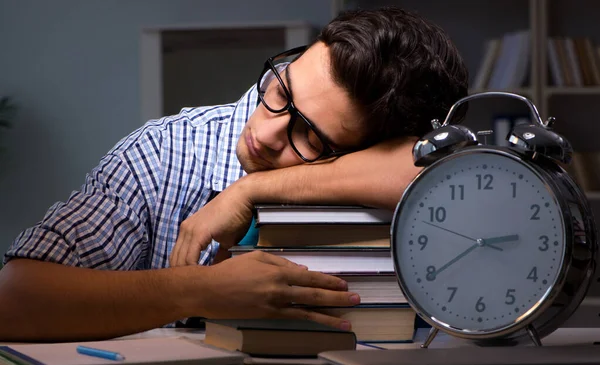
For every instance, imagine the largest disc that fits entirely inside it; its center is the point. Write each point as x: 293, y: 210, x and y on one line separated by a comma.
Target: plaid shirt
x: 127, y: 214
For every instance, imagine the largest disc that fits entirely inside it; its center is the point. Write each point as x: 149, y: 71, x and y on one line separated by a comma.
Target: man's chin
x: 248, y: 165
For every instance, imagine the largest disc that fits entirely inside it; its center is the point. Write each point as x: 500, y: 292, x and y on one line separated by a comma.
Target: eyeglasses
x: 308, y: 143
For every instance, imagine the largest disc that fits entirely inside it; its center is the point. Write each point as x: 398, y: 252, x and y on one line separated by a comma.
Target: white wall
x: 73, y: 67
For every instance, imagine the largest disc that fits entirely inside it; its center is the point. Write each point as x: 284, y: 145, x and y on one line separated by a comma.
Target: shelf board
x: 589, y: 90
x: 518, y: 90
x: 593, y: 195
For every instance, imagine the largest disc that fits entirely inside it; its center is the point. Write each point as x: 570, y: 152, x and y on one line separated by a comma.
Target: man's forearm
x: 374, y: 177
x: 42, y: 301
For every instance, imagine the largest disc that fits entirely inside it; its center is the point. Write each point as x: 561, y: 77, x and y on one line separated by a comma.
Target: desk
x: 561, y: 337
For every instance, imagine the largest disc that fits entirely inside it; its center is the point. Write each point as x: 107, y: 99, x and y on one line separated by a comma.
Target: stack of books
x: 351, y: 242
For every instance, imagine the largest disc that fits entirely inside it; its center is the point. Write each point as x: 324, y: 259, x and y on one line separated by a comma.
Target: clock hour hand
x: 501, y: 239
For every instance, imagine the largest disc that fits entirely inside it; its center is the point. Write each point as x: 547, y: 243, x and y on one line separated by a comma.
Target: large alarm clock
x: 493, y: 244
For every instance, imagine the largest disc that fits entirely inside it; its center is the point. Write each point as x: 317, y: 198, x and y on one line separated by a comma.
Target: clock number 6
x: 480, y: 305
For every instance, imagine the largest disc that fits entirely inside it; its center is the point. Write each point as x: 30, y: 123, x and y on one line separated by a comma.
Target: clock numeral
x: 510, y: 297
x: 514, y: 189
x: 484, y: 182
x: 533, y: 274
x: 480, y: 305
x: 545, y: 245
x: 536, y: 211
x: 457, y: 188
x: 437, y: 214
x: 453, y: 289
x: 422, y: 240
x: 430, y: 273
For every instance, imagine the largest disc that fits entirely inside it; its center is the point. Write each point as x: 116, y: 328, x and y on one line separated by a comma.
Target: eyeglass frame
x: 291, y: 108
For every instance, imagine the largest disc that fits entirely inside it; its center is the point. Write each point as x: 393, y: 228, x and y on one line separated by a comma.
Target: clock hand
x: 447, y: 230
x: 501, y: 239
x: 480, y: 243
x: 431, y: 276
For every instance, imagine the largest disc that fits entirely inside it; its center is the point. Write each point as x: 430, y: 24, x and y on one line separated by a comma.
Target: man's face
x: 264, y: 144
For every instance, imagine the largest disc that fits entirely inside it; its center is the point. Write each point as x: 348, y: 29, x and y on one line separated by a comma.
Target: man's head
x: 371, y: 75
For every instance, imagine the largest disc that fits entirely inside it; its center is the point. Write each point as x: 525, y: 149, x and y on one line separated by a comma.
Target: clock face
x: 478, y: 241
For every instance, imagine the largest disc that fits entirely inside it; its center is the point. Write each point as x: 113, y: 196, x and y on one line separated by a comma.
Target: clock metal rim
x: 549, y: 296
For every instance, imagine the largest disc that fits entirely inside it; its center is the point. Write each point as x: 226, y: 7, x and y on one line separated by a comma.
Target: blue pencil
x: 104, y: 354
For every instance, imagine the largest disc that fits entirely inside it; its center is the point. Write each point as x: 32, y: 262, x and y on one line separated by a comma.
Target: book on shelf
x: 377, y: 322
x: 510, y: 66
x: 490, y: 54
x: 563, y: 60
x: 573, y: 62
x: 331, y: 260
x: 277, y: 337
x: 324, y: 235
x: 320, y: 214
x: 554, y: 63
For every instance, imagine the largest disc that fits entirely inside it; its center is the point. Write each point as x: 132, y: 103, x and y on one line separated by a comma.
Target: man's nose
x: 272, y: 133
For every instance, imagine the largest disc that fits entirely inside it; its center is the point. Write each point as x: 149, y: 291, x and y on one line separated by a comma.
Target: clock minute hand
x: 431, y: 276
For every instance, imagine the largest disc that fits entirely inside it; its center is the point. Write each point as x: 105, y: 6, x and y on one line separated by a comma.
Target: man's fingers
x: 175, y: 253
x: 317, y: 297
x: 275, y: 260
x: 315, y: 279
x: 300, y: 313
x: 194, y: 247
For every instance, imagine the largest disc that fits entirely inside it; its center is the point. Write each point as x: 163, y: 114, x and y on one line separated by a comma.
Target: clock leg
x: 432, y: 333
x: 534, y: 335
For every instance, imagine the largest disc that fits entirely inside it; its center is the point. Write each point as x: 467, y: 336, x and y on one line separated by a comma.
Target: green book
x: 277, y: 337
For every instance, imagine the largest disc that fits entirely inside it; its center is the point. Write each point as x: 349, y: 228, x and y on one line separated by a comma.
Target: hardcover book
x: 320, y: 214
x: 277, y: 337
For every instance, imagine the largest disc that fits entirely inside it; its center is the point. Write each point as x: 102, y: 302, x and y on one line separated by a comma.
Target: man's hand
x: 260, y: 285
x: 224, y: 219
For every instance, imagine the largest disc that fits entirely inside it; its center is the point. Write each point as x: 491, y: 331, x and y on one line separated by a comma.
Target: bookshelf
x: 472, y: 25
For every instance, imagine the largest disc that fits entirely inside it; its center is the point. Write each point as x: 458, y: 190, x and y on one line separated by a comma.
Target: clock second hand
x: 485, y: 243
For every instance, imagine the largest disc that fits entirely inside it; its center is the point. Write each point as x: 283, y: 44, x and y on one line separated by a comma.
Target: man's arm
x: 42, y: 301
x: 374, y: 177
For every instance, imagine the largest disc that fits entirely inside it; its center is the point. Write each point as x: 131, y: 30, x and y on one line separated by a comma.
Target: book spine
x: 18, y: 357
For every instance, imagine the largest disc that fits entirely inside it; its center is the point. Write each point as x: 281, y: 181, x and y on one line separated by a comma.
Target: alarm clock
x: 493, y: 244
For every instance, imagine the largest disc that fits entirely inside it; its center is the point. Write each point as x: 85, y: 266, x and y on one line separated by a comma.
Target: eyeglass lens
x: 302, y: 136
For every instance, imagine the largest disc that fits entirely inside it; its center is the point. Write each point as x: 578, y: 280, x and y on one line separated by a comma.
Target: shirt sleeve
x: 103, y: 225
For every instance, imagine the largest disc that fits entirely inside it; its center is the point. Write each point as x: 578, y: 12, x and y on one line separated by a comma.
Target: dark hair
x: 402, y: 69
